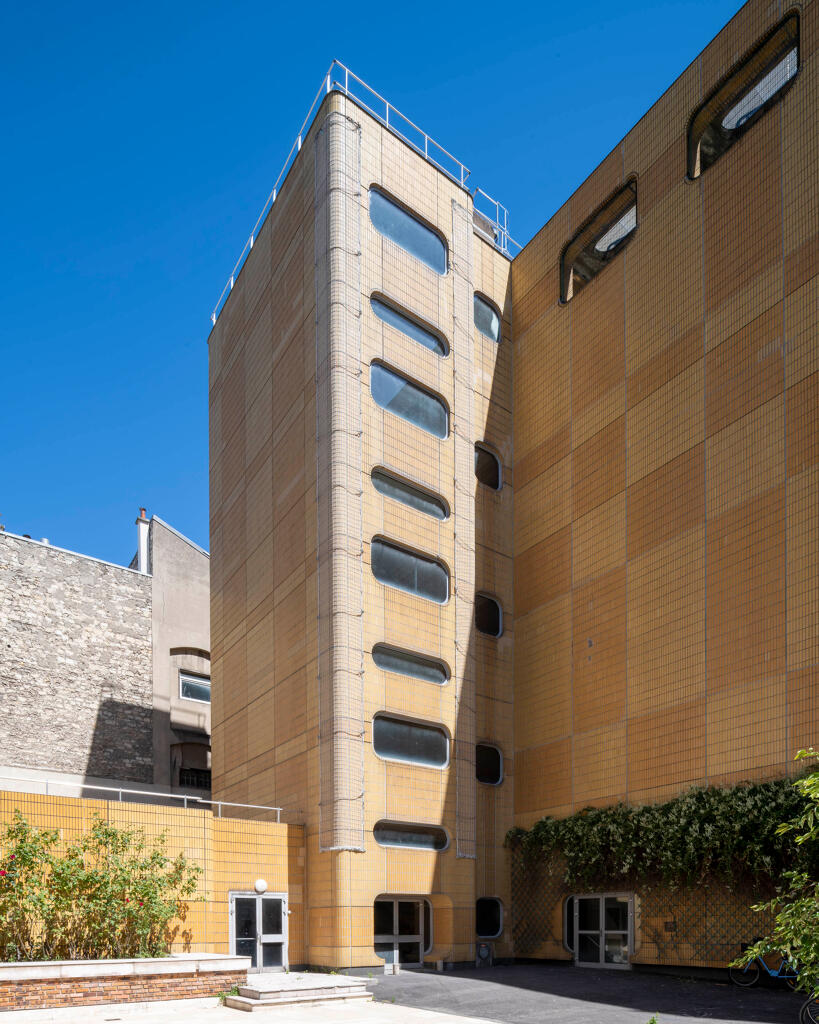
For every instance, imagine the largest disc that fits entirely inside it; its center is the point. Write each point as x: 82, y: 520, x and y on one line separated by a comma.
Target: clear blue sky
x: 139, y: 144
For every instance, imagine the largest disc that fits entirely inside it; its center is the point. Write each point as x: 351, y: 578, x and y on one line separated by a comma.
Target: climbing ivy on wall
x: 727, y: 834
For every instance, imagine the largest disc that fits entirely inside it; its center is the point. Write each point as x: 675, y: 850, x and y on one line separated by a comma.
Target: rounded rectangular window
x: 487, y: 467
x: 396, y: 567
x: 409, y: 494
x: 411, y: 402
x: 411, y: 326
x: 413, y: 837
x: 488, y: 917
x: 488, y: 615
x: 408, y: 231
x: 406, y: 663
x: 396, y: 739
x: 602, y: 237
x: 487, y: 318
x: 741, y: 99
x: 488, y: 764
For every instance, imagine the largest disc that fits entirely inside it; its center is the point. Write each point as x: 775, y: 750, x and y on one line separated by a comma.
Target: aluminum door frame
x: 261, y: 938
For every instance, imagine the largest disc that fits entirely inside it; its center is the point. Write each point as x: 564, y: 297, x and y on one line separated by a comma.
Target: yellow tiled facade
x: 657, y: 567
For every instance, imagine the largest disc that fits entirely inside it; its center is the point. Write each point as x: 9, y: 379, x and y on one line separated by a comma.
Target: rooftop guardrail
x: 50, y: 787
x: 339, y: 78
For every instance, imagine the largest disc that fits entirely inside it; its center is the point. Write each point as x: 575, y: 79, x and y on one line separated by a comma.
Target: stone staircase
x: 263, y: 991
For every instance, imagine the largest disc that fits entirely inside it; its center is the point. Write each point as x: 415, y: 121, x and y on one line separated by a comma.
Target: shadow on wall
x: 122, y: 743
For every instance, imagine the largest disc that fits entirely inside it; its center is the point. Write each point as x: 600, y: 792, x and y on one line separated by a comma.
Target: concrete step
x: 314, y: 997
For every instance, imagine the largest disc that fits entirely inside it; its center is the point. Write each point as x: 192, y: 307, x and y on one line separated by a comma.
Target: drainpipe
x: 143, y: 527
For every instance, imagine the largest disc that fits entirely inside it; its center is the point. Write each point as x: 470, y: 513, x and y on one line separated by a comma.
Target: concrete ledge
x: 184, y: 963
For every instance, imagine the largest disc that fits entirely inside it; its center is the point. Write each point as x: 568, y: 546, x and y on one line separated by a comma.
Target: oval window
x: 406, y: 663
x: 415, y: 404
x: 406, y: 230
x: 413, y: 837
x: 409, y: 494
x: 405, y: 570
x: 396, y: 739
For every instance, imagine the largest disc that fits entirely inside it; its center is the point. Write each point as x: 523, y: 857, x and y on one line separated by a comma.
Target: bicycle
x: 809, y: 1011
x: 750, y: 974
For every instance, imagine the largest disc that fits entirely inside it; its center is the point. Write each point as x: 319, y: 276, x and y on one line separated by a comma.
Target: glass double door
x: 400, y: 927
x: 603, y: 929
x: 258, y: 929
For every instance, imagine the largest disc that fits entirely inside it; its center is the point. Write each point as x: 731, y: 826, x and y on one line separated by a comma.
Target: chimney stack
x: 143, y: 526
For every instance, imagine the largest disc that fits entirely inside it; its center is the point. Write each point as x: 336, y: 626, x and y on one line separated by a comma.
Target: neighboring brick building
x: 105, y: 670
x: 661, y: 557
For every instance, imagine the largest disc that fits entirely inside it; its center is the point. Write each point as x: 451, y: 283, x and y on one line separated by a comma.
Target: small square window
x: 192, y: 687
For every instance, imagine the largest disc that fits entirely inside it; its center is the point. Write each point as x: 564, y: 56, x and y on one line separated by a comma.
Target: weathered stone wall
x: 75, y: 664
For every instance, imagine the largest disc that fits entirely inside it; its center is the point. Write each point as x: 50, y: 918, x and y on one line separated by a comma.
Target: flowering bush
x: 108, y: 894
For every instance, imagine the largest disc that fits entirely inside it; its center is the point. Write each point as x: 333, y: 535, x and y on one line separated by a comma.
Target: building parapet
x: 492, y: 217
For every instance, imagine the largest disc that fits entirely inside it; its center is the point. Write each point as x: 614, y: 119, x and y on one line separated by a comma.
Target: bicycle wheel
x: 809, y: 1014
x: 745, y: 976
x: 791, y: 980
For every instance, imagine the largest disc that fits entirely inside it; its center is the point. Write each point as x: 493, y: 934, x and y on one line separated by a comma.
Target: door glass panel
x: 247, y: 947
x: 409, y: 952
x: 588, y: 912
x: 245, y: 914
x: 427, y: 926
x: 271, y: 954
x: 271, y: 917
x: 409, y: 922
x: 616, y: 914
x: 386, y: 950
x: 382, y: 917
x: 616, y: 949
x: 588, y: 949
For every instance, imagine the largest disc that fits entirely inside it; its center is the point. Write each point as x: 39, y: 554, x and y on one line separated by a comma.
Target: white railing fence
x: 339, y: 78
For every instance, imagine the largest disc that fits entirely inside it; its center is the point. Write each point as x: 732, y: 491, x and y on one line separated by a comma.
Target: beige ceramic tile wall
x: 665, y: 528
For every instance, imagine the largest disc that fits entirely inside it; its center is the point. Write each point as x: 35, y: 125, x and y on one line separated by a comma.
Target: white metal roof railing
x: 149, y: 795
x: 340, y: 79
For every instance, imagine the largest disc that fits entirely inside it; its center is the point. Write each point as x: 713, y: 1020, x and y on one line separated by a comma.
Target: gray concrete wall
x: 75, y: 664
x: 181, y: 642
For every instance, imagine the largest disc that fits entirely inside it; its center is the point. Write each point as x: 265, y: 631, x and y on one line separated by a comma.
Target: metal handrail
x: 219, y: 804
x: 338, y: 79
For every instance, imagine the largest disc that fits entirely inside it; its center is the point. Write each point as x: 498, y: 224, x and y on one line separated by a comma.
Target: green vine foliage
x: 706, y: 833
x: 109, y: 894
x: 795, y: 907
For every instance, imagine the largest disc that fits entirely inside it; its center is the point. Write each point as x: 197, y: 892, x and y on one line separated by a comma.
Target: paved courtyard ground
x: 548, y: 993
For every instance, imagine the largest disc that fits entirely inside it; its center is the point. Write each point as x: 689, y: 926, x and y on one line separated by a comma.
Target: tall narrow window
x: 409, y: 494
x: 487, y: 318
x: 488, y: 615
x: 413, y: 837
x: 488, y: 764
x: 405, y: 570
x: 488, y: 917
x: 408, y: 231
x: 407, y: 663
x: 598, y: 241
x: 399, y: 740
x: 744, y: 96
x: 411, y: 402
x: 409, y: 325
x: 487, y: 467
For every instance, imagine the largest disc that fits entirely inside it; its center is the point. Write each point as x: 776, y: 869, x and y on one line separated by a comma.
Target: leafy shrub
x: 108, y: 894
x: 729, y: 834
x: 795, y: 907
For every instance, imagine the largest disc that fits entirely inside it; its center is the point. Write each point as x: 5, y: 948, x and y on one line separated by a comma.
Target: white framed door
x: 400, y: 927
x: 258, y: 929
x: 603, y: 930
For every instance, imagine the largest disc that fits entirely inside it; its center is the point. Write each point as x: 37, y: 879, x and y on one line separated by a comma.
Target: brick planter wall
x: 33, y: 986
